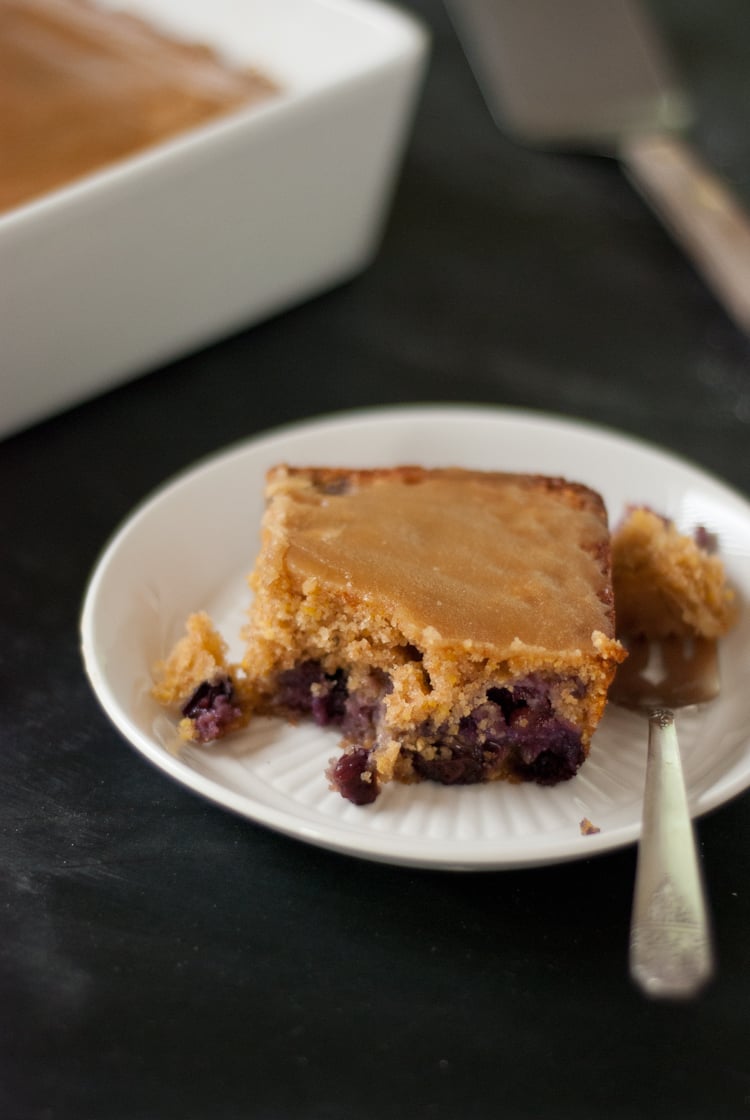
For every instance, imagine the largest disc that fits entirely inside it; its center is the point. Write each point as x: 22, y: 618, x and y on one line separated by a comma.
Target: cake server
x: 671, y: 952
x: 592, y: 75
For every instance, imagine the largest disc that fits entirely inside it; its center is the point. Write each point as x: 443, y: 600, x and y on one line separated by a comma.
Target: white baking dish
x: 215, y: 230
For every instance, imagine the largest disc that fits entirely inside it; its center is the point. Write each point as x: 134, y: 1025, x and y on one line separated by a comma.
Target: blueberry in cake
x: 453, y: 625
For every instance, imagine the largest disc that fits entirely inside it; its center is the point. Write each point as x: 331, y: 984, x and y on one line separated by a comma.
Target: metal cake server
x: 671, y: 952
x: 592, y: 75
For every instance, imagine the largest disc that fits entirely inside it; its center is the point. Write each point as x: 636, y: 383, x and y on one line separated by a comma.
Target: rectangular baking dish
x: 223, y: 226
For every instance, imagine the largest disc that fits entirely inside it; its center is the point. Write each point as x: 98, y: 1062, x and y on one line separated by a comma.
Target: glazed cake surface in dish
x: 82, y: 86
x: 455, y: 625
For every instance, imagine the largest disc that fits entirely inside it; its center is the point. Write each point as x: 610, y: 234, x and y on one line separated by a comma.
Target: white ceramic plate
x: 190, y: 547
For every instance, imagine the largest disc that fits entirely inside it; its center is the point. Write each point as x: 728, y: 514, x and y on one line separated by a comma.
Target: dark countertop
x: 161, y: 958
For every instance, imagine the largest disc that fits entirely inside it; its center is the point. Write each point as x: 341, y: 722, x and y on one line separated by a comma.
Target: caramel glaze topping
x: 81, y: 87
x: 461, y: 558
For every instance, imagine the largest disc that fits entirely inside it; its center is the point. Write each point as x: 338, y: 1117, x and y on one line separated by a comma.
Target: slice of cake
x: 453, y: 625
x: 666, y: 583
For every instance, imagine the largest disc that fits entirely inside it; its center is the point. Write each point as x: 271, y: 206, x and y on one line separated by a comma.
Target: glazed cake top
x: 453, y: 558
x: 81, y: 86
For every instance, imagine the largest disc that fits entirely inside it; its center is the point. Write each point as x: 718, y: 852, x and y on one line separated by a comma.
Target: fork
x: 671, y: 949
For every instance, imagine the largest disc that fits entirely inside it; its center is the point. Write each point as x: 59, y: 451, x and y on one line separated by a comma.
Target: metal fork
x: 671, y: 947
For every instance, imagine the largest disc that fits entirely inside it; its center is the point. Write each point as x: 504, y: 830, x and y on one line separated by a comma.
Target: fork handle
x: 671, y: 953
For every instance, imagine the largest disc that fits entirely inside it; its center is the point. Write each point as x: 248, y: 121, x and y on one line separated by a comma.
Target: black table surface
x: 161, y: 957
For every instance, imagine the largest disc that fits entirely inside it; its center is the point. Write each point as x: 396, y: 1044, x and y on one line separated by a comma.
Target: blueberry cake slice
x: 454, y: 625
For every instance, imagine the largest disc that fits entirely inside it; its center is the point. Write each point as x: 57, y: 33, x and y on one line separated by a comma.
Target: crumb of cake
x: 587, y: 828
x: 197, y: 681
x: 666, y: 583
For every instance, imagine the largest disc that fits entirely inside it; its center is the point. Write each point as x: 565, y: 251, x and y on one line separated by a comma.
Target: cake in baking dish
x: 83, y: 85
x: 454, y: 625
